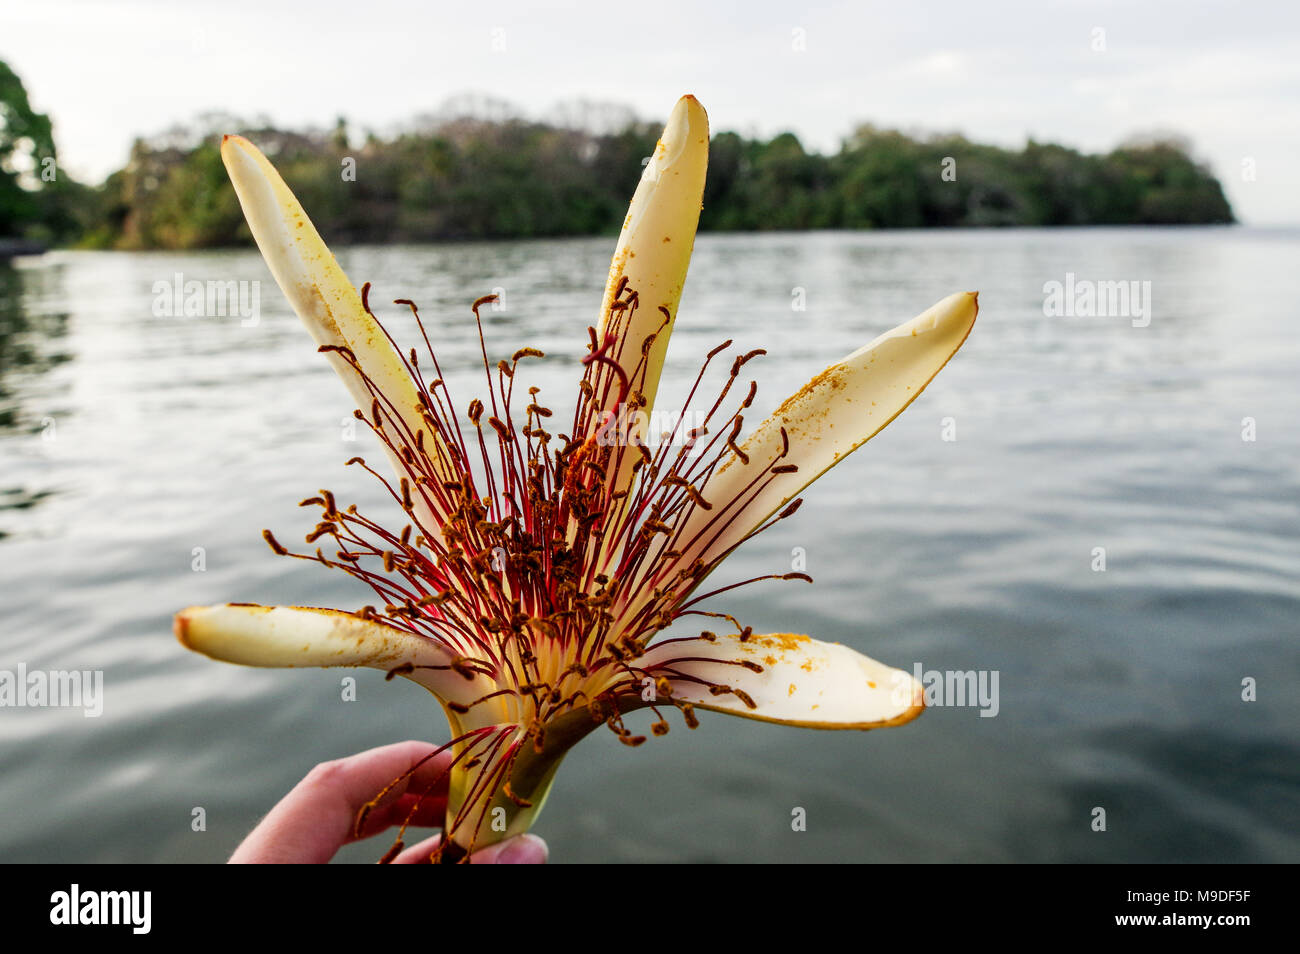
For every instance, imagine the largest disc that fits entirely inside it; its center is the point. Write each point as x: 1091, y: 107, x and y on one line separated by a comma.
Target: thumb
x: 527, y: 849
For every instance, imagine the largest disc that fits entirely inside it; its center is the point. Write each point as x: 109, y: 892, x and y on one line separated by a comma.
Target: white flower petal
x: 301, y: 636
x: 652, y: 255
x: 803, y: 682
x: 827, y: 419
x: 327, y: 302
x: 654, y: 247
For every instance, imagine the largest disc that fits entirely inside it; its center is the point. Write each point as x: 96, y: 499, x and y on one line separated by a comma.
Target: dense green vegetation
x: 37, y: 202
x: 474, y: 177
x: 478, y: 179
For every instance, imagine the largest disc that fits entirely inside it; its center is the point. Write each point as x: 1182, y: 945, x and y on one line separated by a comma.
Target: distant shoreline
x: 1242, y: 227
x: 475, y: 178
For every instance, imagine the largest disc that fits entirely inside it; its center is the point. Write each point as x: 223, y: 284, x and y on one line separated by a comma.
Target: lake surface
x: 1170, y: 439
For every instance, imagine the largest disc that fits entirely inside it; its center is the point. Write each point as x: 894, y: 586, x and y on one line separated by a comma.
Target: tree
x: 26, y: 142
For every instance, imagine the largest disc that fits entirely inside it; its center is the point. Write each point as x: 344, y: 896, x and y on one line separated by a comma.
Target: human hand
x: 316, y: 818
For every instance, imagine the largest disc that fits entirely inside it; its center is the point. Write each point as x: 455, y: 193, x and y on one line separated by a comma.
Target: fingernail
x: 522, y: 850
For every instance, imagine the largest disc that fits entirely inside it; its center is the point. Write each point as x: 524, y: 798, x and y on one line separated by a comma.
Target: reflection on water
x: 137, y: 448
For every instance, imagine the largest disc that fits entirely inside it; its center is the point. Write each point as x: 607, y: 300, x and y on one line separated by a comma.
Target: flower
x: 536, y: 568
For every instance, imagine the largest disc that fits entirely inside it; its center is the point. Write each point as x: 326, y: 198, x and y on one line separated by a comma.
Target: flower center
x: 546, y: 562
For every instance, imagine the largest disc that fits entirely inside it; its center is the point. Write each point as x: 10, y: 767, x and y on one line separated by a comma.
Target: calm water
x: 128, y: 440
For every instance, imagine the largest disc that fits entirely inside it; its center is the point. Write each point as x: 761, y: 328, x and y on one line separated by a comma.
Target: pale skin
x: 316, y: 818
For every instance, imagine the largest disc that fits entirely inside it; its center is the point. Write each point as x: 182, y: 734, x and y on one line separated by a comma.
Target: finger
x: 427, y: 811
x: 317, y: 816
x: 418, y: 854
x: 417, y: 773
x: 526, y: 849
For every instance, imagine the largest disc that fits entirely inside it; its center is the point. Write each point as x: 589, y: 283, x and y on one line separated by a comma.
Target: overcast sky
x: 1227, y: 75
